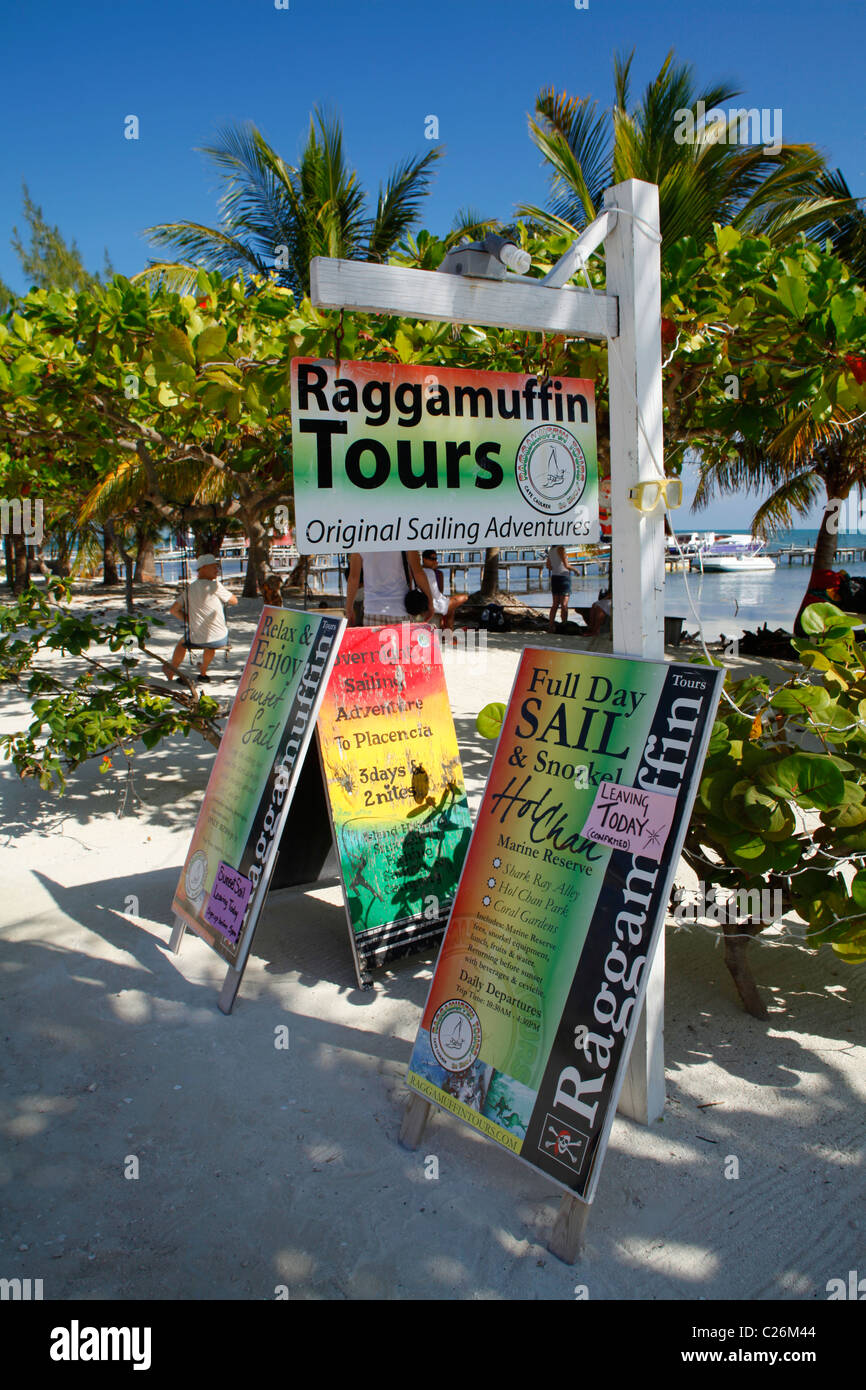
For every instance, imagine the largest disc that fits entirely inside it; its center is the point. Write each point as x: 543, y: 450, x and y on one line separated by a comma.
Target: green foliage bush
x: 782, y: 796
x: 104, y: 700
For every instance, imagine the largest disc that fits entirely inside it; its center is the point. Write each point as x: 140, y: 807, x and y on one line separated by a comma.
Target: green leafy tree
x: 782, y: 799
x: 766, y: 378
x: 99, y: 699
x: 47, y: 259
x: 276, y: 216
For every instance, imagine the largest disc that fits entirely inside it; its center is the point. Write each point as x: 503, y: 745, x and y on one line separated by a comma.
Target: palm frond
x: 208, y: 246
x: 399, y: 202
x: 794, y: 497
x: 173, y: 276
x: 115, y: 494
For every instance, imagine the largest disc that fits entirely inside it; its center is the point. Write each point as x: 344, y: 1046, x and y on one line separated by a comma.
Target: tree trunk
x: 257, y: 559
x: 128, y: 563
x: 299, y: 574
x: 39, y: 562
x: 825, y: 553
x: 109, y: 558
x: 490, y: 573
x: 736, y: 946
x: 145, y: 562
x: 62, y: 564
x: 17, y: 562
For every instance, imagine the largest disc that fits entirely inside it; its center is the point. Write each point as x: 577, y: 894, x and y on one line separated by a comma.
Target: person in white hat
x: 202, y: 607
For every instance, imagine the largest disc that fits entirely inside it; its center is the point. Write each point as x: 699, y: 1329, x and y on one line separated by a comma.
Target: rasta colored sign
x: 540, y: 978
x: 395, y: 789
x: 230, y: 860
x: 398, y: 457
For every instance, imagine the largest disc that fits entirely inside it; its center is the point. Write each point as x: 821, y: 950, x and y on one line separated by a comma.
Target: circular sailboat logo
x: 455, y: 1035
x: 550, y: 469
x: 196, y: 872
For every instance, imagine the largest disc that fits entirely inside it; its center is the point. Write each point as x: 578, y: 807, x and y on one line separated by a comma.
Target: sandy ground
x: 261, y: 1167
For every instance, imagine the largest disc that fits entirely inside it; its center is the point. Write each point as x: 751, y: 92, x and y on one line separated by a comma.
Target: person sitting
x: 445, y: 607
x: 201, y: 607
x: 599, y: 614
x: 272, y: 591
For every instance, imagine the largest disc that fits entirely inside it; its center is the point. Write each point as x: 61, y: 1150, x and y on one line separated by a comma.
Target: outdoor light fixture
x: 645, y: 497
x: 489, y: 258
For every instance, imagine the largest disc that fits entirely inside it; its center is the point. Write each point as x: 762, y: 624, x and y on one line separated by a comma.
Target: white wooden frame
x: 628, y: 317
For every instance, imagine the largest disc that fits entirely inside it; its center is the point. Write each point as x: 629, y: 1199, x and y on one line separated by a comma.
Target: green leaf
x: 842, y: 308
x: 173, y: 344
x: 811, y: 779
x: 821, y: 407
x: 800, y: 697
x: 210, y: 343
x: 793, y: 294
x: 746, y: 846
x: 822, y: 617
x: 727, y: 238
x: 403, y: 345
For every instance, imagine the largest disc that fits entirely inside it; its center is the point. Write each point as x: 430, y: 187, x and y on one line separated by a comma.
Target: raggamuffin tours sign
x: 542, y: 971
x: 398, y: 457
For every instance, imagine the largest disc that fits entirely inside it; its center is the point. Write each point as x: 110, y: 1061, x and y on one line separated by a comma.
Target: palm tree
x: 805, y: 463
x: 846, y: 229
x: 277, y: 216
x: 780, y: 193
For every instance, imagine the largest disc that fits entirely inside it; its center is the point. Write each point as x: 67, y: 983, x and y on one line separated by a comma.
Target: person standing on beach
x: 560, y: 584
x: 202, y: 609
x: 385, y: 585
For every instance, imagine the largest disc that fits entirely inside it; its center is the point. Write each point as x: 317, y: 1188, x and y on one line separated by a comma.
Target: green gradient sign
x: 230, y: 860
x: 542, y: 971
x: 397, y: 457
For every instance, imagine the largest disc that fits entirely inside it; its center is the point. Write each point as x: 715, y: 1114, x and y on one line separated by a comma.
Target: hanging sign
x: 389, y: 456
x: 230, y: 860
x: 540, y: 978
x: 395, y: 788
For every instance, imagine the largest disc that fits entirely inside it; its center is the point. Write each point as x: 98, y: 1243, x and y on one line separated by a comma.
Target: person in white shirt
x: 203, y: 607
x: 385, y: 586
x: 445, y: 607
x: 599, y: 613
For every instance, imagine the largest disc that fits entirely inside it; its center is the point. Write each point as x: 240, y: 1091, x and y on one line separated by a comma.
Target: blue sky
x: 72, y: 73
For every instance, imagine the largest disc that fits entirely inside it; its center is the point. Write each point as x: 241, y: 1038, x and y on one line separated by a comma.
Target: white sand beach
x: 260, y: 1168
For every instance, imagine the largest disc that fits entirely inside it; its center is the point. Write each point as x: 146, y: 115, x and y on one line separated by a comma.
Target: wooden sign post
x: 628, y: 317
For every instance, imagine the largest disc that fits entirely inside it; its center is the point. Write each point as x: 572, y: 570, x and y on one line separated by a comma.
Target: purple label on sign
x: 631, y: 819
x: 228, y: 902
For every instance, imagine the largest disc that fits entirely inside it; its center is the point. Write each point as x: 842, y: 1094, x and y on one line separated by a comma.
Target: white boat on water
x: 728, y: 554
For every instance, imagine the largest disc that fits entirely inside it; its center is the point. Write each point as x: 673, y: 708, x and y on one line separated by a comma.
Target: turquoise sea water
x: 731, y: 603
x: 725, y: 603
